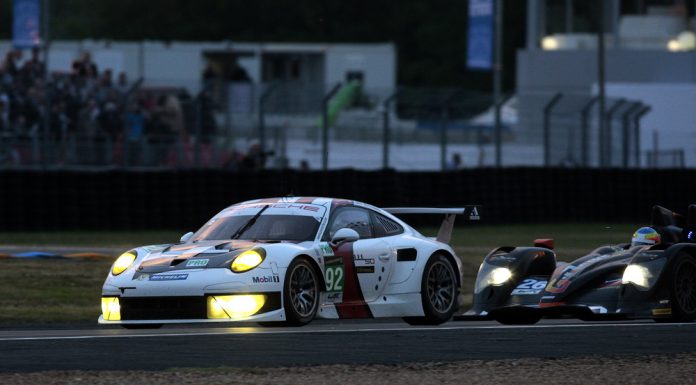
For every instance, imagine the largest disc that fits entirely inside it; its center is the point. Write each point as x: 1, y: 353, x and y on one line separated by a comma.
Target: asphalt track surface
x: 330, y: 342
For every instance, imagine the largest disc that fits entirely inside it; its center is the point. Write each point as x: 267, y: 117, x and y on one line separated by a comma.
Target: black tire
x: 300, y: 293
x: 141, y: 326
x: 681, y: 283
x: 439, y: 292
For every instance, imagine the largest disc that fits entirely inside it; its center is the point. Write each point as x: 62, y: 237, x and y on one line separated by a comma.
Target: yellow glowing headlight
x: 123, y: 263
x: 499, y: 276
x: 247, y: 260
x: 111, y: 308
x: 638, y: 275
x: 234, y: 306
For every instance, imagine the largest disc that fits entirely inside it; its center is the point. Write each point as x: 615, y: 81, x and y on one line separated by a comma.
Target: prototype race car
x: 289, y: 260
x: 652, y: 277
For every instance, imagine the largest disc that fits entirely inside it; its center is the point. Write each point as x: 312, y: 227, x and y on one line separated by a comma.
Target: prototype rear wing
x: 471, y: 213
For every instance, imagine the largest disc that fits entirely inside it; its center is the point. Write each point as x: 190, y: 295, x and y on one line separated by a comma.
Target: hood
x: 200, y: 255
x: 601, y: 263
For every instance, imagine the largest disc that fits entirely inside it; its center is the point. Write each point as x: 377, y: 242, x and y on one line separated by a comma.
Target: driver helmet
x: 645, y: 236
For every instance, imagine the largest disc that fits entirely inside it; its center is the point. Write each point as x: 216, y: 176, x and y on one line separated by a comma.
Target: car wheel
x: 682, y: 288
x: 439, y: 292
x: 300, y: 293
x: 142, y: 326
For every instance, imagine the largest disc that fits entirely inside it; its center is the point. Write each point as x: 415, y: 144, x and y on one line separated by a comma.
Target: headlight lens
x: 234, y: 306
x: 247, y: 260
x: 491, y: 275
x: 111, y: 308
x: 499, y: 276
x: 123, y: 263
x: 637, y: 275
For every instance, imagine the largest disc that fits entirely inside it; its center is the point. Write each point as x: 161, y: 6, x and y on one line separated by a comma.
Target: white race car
x: 290, y: 260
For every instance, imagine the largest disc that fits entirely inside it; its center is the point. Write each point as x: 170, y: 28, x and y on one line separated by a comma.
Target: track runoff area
x: 329, y: 342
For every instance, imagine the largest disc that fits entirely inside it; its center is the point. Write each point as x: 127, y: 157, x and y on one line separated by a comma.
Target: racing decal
x: 353, y: 304
x: 334, y: 274
x: 168, y: 277
x: 560, y: 284
x: 530, y: 286
x: 266, y: 279
x: 365, y: 261
x: 364, y: 269
x: 326, y: 250
x: 335, y: 297
x: 474, y: 214
x: 201, y: 262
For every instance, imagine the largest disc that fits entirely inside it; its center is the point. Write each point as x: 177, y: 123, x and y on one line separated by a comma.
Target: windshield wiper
x: 249, y: 223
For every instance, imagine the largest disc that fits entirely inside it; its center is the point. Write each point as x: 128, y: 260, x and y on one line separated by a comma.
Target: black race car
x: 520, y: 285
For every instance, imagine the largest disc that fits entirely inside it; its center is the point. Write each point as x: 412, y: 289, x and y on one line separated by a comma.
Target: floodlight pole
x: 601, y: 81
x: 497, y: 80
x: 47, y: 94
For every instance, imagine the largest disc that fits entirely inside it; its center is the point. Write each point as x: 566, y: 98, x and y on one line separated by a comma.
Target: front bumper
x: 178, y: 309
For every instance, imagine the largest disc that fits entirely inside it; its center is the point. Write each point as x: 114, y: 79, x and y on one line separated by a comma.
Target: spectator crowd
x: 111, y: 120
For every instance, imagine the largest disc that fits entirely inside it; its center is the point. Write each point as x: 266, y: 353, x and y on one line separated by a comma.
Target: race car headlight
x: 637, y: 275
x: 111, y: 308
x: 490, y: 275
x: 499, y: 276
x: 123, y: 263
x: 247, y: 260
x: 234, y: 306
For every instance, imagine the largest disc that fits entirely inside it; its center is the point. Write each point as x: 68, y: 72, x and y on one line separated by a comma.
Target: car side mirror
x: 345, y: 235
x: 186, y: 237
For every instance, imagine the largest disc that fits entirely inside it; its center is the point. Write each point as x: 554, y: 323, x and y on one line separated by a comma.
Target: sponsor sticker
x: 474, y: 215
x: 200, y: 262
x: 266, y: 279
x: 334, y: 297
x: 168, y: 277
x: 326, y: 250
x: 361, y: 258
x: 364, y: 269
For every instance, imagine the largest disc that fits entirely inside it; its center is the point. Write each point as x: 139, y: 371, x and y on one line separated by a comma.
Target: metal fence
x: 281, y: 125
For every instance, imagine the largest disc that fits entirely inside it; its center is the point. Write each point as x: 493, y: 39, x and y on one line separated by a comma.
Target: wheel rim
x: 303, y: 290
x: 441, y: 286
x: 685, y: 286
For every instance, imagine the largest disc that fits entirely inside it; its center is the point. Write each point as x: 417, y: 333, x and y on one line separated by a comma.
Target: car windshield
x: 274, y: 224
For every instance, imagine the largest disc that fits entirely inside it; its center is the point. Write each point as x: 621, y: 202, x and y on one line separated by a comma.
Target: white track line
x: 240, y: 332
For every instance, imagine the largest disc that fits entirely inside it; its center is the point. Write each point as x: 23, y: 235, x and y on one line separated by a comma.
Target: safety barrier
x: 36, y: 200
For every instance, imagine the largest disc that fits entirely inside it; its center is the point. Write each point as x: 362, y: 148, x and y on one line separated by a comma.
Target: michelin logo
x: 266, y: 279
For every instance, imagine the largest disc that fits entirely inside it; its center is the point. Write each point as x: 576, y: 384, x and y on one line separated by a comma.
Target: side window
x: 353, y: 218
x: 385, y: 227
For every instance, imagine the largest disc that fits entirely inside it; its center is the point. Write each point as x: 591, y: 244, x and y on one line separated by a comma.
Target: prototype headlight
x: 499, y: 276
x: 637, y: 275
x: 123, y: 263
x: 248, y: 260
x: 491, y: 275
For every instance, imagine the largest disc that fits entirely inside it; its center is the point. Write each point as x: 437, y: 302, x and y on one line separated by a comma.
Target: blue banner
x: 480, y: 39
x: 25, y: 24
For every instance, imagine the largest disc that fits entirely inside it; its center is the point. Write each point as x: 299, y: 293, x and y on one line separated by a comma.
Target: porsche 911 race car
x: 291, y: 260
x: 653, y: 279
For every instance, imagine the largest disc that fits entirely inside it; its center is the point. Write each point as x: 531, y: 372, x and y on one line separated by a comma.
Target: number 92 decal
x: 334, y: 278
x: 530, y: 286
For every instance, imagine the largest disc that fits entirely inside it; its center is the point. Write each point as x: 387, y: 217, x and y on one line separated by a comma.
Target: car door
x: 367, y: 261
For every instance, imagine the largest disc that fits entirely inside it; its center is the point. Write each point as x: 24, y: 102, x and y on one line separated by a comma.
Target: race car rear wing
x: 471, y: 213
